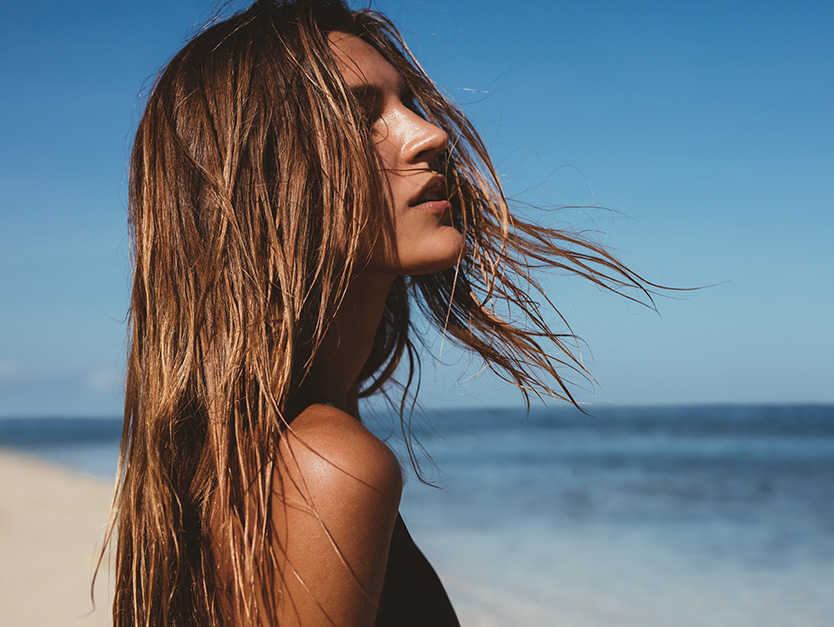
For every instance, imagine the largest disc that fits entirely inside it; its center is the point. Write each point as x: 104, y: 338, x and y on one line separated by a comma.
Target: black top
x: 412, y: 593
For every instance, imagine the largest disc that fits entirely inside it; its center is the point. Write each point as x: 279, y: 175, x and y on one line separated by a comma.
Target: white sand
x: 51, y: 526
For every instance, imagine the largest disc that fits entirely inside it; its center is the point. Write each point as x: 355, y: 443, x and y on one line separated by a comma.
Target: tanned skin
x: 336, y: 498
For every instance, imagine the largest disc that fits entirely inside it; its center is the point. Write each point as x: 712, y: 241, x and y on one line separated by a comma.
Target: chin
x: 434, y: 252
x: 441, y: 253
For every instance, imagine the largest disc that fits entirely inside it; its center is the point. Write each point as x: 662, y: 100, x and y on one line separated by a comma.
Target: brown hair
x: 251, y: 180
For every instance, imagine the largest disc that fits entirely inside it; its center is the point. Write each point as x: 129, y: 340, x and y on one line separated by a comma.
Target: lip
x: 433, y: 196
x: 433, y: 206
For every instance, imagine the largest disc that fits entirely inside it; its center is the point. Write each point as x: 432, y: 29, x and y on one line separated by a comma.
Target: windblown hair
x: 254, y: 196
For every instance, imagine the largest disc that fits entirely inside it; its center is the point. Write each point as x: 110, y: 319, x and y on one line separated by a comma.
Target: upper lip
x: 434, y: 189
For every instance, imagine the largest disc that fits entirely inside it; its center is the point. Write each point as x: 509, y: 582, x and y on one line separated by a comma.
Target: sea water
x: 711, y: 515
x: 639, y: 516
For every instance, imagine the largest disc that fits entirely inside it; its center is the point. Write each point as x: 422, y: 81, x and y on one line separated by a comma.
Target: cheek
x: 385, y: 141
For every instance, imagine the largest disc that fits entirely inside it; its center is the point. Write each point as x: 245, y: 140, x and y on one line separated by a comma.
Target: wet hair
x: 253, y: 180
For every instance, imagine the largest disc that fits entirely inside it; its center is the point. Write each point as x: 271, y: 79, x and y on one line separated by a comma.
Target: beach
x: 51, y: 526
x: 684, y: 517
x: 52, y: 522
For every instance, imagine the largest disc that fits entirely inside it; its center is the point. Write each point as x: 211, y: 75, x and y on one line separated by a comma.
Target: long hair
x: 252, y: 183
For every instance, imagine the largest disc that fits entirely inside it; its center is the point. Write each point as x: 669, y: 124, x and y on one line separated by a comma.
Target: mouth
x: 433, y: 197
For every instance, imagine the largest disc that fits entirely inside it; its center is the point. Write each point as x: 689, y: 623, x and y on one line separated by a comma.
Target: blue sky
x: 705, y: 126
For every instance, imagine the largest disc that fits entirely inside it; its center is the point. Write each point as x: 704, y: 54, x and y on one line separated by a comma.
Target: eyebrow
x: 368, y: 93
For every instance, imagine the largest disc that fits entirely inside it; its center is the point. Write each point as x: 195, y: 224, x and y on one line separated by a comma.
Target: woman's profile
x: 297, y: 186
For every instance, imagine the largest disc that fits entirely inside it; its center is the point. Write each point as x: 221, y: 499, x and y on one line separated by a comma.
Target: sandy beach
x: 51, y: 526
x: 757, y: 554
x: 52, y: 522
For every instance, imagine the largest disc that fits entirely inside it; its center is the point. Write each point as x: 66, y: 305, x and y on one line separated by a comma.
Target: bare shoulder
x: 329, y: 446
x: 336, y: 491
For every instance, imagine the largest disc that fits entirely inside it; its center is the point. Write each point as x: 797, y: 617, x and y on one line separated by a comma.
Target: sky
x: 701, y: 133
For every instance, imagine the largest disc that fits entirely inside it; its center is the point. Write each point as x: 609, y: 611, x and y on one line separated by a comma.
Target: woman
x: 296, y: 184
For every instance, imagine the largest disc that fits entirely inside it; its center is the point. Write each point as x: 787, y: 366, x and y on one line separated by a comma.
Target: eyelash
x: 368, y: 112
x: 411, y: 103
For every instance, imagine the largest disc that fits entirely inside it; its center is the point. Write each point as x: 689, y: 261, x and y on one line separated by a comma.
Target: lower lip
x: 433, y: 206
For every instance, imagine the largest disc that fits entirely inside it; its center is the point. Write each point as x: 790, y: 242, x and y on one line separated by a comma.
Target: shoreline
x: 52, y: 523
x: 588, y: 573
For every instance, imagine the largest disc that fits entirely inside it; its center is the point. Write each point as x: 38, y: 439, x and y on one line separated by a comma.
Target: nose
x: 425, y: 143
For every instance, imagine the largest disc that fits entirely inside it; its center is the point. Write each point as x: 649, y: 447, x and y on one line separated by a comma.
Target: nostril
x: 440, y: 161
x: 431, y: 146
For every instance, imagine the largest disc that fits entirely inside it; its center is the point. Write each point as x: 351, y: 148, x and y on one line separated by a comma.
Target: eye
x: 368, y: 105
x: 369, y: 112
x: 409, y: 100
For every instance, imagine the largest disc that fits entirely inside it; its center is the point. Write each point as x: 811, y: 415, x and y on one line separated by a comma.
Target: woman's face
x: 421, y: 238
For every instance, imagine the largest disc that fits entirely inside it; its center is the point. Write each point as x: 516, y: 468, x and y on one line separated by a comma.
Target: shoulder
x: 336, y: 491
x: 329, y: 446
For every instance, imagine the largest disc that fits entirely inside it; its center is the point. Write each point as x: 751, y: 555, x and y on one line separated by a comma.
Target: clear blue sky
x: 707, y: 126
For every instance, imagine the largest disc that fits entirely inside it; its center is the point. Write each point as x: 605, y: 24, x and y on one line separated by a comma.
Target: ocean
x: 697, y: 515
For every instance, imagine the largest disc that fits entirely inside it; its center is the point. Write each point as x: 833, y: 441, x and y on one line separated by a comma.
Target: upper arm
x: 335, y: 500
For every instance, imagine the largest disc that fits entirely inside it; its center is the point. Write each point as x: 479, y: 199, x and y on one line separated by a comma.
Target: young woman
x: 297, y: 184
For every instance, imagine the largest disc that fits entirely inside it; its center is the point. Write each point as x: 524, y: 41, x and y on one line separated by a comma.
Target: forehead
x: 361, y: 64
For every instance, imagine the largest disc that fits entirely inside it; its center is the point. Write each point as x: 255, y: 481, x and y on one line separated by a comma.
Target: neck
x: 348, y: 343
